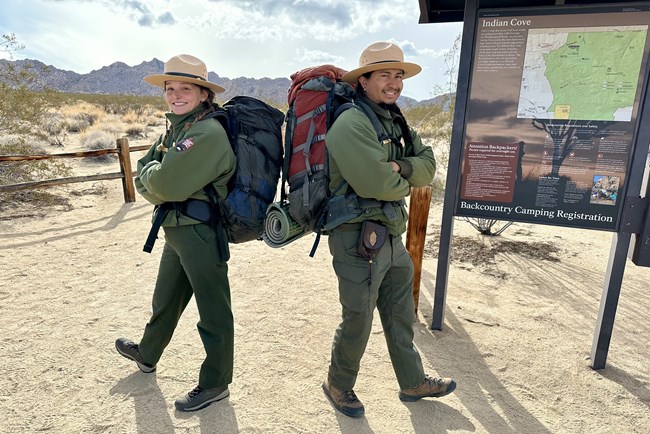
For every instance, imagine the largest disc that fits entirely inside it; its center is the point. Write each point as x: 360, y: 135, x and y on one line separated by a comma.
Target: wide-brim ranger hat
x: 184, y: 67
x: 382, y: 55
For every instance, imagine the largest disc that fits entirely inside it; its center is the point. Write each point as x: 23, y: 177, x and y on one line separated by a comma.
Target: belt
x: 193, y: 208
x: 348, y: 227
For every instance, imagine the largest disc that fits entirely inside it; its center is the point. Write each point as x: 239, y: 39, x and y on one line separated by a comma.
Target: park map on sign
x: 581, y: 73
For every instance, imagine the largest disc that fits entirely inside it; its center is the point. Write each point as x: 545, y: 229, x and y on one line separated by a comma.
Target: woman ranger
x: 172, y: 176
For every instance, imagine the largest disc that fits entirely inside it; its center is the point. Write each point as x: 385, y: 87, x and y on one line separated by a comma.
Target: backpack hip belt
x: 341, y: 209
x: 193, y: 208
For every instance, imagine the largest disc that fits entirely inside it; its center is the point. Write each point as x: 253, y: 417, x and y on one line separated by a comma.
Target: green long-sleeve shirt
x: 178, y: 166
x: 357, y: 157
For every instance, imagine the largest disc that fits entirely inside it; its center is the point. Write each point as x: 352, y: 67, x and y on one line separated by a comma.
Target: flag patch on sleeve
x: 185, y: 144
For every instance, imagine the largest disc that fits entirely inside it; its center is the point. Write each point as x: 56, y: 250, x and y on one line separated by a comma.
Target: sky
x: 235, y: 38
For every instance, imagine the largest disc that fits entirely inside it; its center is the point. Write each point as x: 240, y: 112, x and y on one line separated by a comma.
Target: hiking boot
x: 344, y: 401
x: 435, y: 387
x: 129, y: 349
x: 199, y: 398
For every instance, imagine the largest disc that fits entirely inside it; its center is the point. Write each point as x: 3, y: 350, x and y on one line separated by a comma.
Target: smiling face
x: 384, y: 85
x: 183, y: 97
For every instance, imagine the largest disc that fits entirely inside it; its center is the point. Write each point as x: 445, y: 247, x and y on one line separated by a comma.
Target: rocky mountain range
x: 122, y: 79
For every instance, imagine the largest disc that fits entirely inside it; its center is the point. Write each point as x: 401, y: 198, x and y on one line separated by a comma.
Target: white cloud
x: 166, y: 18
x: 411, y: 50
x: 253, y: 38
x: 316, y: 57
x: 315, y: 12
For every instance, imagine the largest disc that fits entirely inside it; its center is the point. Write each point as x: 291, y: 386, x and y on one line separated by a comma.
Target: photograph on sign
x: 552, y: 114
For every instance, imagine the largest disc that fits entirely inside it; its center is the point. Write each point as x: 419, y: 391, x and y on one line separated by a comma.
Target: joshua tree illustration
x: 565, y: 134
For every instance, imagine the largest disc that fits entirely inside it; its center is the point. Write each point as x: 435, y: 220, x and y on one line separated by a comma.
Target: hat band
x: 182, y: 74
x: 384, y: 61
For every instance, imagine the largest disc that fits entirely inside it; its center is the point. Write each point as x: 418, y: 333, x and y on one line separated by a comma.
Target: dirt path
x: 517, y: 336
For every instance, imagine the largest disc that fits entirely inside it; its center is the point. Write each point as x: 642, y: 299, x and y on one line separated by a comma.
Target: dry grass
x: 78, y: 107
x: 70, y: 127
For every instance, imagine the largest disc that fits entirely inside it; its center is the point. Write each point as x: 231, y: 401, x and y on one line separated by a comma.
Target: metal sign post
x: 635, y: 217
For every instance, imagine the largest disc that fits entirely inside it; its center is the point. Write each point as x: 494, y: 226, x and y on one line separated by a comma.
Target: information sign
x: 552, y: 114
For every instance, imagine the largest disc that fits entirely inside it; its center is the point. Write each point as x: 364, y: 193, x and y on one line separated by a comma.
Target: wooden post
x: 416, y: 233
x: 125, y: 167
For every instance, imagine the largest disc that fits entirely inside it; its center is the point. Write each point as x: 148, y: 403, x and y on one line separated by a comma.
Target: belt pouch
x: 371, y: 239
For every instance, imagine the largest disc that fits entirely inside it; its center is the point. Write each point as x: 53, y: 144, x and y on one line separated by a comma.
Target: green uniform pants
x: 191, y: 264
x: 386, y: 283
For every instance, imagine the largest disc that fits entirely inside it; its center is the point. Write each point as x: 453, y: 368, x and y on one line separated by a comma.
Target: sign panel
x: 552, y: 114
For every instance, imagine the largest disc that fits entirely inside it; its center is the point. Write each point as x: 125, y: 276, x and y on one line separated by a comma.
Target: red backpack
x: 315, y: 95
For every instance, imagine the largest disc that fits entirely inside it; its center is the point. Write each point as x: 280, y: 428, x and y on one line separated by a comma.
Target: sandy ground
x: 517, y: 336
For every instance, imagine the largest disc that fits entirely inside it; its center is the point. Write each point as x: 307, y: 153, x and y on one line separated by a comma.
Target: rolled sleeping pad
x: 279, y: 228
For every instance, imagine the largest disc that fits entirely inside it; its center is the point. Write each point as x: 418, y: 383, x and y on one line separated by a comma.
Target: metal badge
x: 372, y: 238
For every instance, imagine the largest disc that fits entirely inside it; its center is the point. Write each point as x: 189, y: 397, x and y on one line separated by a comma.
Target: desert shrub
x: 95, y: 140
x: 154, y: 121
x: 430, y: 119
x: 111, y: 125
x: 131, y: 117
x: 123, y: 104
x: 100, y: 105
x: 154, y: 110
x: 22, y: 110
x: 135, y: 131
x: 80, y: 122
x: 18, y: 172
x: 437, y: 188
x: 74, y: 105
x: 55, y: 128
x: 81, y: 115
x: 487, y: 226
x: 23, y: 115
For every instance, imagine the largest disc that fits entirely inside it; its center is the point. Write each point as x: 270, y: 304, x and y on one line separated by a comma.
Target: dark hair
x: 209, y: 101
x: 401, y: 119
x: 209, y: 104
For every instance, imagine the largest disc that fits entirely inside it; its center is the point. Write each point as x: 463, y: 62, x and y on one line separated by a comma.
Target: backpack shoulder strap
x: 374, y: 120
x: 160, y: 211
x: 288, y: 137
x: 343, y: 107
x: 382, y: 136
x: 221, y: 115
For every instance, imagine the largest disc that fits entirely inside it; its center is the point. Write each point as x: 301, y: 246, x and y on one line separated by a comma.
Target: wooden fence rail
x: 122, y: 150
x: 416, y: 232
